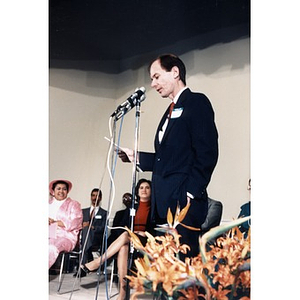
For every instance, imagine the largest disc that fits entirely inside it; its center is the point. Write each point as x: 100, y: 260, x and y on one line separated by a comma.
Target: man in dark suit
x: 186, y: 149
x: 127, y: 200
x: 97, y: 216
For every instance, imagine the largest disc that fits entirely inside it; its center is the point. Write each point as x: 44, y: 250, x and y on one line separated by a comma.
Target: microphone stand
x: 132, y: 209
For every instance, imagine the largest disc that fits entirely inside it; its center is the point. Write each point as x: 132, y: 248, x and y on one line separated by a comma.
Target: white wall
x: 81, y: 103
x: 78, y: 122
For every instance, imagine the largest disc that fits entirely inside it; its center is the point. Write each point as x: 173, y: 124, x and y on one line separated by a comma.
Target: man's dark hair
x: 168, y: 61
x: 98, y: 191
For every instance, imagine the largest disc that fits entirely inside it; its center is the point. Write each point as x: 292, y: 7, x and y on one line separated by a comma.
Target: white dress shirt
x: 163, y: 129
x: 96, y: 210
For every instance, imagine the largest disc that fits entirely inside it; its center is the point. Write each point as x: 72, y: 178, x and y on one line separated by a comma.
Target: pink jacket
x: 70, y: 213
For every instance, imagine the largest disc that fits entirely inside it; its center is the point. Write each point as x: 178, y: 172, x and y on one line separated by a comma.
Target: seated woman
x: 120, y: 245
x: 65, y: 219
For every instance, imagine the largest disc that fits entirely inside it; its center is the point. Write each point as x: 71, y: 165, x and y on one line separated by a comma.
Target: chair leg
x: 61, y: 276
x: 61, y: 272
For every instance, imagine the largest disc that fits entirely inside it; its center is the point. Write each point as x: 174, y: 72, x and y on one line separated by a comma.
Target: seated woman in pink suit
x: 65, y: 219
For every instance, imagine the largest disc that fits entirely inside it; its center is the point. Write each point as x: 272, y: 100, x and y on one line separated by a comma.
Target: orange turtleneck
x: 141, y: 216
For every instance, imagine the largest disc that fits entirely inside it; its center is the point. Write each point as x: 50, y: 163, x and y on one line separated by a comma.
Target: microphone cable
x: 110, y: 205
x: 110, y: 166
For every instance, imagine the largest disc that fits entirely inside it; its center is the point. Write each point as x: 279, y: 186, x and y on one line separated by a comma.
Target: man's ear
x: 175, y: 72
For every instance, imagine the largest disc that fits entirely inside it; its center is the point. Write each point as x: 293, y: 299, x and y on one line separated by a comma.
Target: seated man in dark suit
x: 245, y: 212
x: 95, y: 235
x: 214, y: 215
x: 127, y: 199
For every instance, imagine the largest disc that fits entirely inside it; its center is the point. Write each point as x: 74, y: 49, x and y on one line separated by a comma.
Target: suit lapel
x: 159, y: 128
x: 168, y: 129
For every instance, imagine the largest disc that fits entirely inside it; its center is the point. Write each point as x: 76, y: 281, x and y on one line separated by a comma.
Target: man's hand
x: 85, y: 224
x: 126, y: 155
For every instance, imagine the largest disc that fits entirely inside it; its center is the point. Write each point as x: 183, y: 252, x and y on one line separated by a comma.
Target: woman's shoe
x: 84, y: 271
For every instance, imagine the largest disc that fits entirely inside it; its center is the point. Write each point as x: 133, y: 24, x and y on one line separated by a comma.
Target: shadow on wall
x: 91, y: 83
x: 82, y: 82
x: 105, y: 84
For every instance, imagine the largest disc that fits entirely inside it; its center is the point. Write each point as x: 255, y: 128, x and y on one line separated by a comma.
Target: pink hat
x: 52, y: 182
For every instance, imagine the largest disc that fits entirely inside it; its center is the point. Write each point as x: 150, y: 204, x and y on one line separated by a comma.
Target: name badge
x: 98, y: 217
x: 176, y: 113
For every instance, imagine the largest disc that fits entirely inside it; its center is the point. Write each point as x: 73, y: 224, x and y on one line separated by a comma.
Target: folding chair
x: 66, y: 257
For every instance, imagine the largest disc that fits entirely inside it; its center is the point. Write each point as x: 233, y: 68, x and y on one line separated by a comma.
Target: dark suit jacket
x: 245, y: 212
x: 117, y: 222
x: 185, y: 159
x: 96, y: 234
x: 119, y: 217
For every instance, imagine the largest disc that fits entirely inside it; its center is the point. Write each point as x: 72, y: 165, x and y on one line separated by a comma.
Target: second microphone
x: 123, y: 108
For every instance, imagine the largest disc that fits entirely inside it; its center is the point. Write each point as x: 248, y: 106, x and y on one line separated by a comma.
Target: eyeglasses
x: 127, y: 198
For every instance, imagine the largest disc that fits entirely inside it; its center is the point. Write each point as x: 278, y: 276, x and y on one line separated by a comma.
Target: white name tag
x: 176, y: 113
x: 98, y: 217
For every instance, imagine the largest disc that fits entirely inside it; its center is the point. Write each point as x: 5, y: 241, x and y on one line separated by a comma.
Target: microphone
x: 132, y: 101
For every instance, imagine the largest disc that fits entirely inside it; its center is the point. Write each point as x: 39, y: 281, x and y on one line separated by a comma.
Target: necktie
x: 92, y: 213
x: 171, y: 109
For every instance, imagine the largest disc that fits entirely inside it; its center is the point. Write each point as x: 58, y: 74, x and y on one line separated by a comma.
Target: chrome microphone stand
x: 134, y: 176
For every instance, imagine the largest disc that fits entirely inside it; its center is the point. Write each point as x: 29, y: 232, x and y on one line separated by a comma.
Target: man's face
x: 94, y: 196
x: 127, y: 200
x: 162, y: 81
